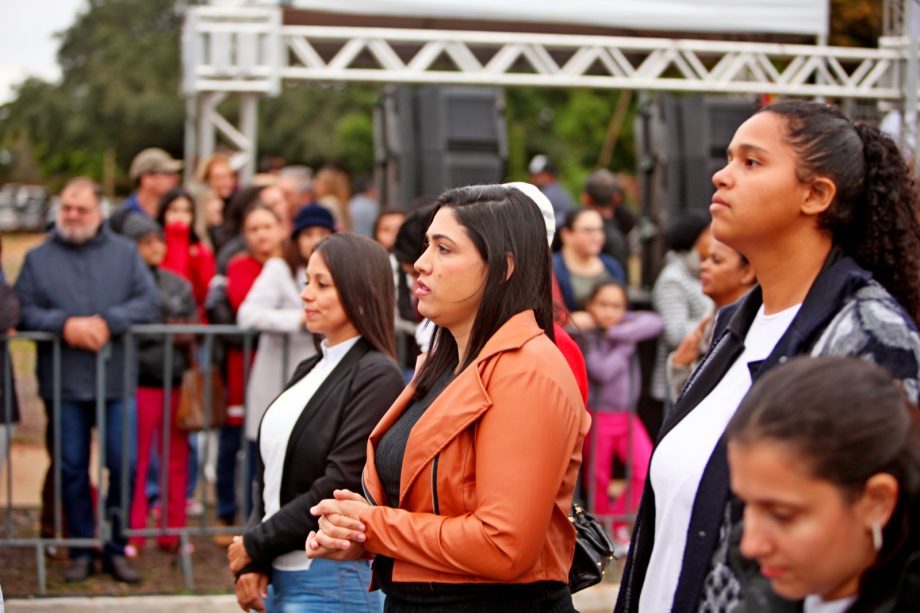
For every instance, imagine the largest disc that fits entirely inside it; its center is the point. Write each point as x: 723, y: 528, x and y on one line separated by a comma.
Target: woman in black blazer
x: 313, y: 437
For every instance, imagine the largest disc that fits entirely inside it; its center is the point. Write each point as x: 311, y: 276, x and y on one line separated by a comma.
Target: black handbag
x: 593, y: 550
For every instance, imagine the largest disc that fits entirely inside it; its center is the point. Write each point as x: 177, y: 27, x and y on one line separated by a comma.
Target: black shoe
x: 79, y: 569
x: 120, y: 569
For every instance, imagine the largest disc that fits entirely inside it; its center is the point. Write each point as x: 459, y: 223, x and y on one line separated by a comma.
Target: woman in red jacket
x: 186, y: 254
x: 264, y: 237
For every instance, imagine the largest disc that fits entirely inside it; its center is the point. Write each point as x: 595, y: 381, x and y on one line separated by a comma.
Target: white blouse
x: 275, y: 432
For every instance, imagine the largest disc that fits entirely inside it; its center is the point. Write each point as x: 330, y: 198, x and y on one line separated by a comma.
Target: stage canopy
x: 791, y: 17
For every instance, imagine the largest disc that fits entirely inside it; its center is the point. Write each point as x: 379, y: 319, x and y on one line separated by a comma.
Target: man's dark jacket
x: 103, y: 276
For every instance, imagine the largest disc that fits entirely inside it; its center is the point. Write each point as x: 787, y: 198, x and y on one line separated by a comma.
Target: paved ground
x: 598, y: 599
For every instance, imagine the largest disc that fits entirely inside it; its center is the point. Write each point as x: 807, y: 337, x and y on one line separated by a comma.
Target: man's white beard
x: 77, y: 236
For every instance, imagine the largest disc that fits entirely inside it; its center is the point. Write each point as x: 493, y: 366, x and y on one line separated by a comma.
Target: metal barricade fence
x: 208, y: 335
x: 57, y: 539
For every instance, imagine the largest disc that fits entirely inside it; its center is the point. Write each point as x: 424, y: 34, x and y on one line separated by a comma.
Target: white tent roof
x: 801, y: 17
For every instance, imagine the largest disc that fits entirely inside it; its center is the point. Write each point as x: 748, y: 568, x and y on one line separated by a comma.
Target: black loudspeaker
x: 700, y: 130
x: 681, y: 142
x: 429, y: 139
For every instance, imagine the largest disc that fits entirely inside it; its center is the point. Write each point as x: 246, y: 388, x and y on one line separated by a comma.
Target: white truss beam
x: 512, y: 59
x: 247, y: 50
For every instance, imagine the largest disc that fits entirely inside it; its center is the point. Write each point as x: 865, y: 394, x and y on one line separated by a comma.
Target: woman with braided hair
x: 825, y: 211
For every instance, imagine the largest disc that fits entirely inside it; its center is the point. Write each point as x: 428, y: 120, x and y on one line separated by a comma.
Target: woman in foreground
x: 825, y: 454
x: 825, y: 211
x: 312, y: 437
x: 470, y: 474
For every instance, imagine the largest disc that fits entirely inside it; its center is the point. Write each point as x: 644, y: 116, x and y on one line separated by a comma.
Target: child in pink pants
x: 613, y: 378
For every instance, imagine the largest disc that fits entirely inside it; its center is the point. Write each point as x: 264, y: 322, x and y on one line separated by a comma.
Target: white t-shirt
x: 816, y: 604
x: 276, y: 429
x: 679, y: 461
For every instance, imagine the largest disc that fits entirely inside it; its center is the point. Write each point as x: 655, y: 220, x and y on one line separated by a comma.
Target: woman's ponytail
x: 874, y: 213
x: 887, y: 238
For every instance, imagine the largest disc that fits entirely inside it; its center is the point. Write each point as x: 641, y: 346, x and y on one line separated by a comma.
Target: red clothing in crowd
x: 242, y: 272
x: 574, y: 357
x: 191, y: 261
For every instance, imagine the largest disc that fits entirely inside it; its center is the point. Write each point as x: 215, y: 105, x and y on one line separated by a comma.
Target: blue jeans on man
x: 78, y: 417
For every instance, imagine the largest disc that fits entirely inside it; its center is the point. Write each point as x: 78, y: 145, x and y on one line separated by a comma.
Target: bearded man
x: 89, y: 286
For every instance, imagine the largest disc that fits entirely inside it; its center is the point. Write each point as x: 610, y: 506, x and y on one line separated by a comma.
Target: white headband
x: 539, y: 198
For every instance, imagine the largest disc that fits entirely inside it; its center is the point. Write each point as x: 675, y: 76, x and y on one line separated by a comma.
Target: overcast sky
x: 28, y: 46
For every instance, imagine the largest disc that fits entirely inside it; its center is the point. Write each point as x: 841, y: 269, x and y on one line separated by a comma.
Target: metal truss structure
x: 247, y: 51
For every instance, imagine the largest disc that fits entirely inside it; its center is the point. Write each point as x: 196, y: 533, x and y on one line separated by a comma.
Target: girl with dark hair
x: 825, y: 455
x: 470, y: 474
x: 232, y: 223
x: 186, y: 254
x: 313, y: 436
x: 613, y: 373
x: 826, y: 212
x: 264, y: 238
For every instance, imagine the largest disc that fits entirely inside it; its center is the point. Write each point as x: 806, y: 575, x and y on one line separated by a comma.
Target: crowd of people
x: 427, y: 378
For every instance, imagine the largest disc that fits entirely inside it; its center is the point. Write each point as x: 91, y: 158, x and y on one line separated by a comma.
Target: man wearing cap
x: 154, y: 172
x: 88, y: 286
x: 543, y: 175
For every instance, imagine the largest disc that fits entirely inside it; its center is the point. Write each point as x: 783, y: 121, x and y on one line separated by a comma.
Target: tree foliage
x: 855, y: 23
x: 119, y: 93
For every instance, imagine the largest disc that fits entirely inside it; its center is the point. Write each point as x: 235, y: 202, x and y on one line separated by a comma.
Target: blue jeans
x: 153, y: 473
x: 229, y: 445
x: 192, y: 465
x: 328, y: 586
x: 77, y: 421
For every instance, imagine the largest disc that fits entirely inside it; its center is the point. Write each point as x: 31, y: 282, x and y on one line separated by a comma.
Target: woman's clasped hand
x: 341, y: 532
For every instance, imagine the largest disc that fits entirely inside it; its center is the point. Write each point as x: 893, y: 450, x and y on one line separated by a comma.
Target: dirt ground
x: 162, y: 573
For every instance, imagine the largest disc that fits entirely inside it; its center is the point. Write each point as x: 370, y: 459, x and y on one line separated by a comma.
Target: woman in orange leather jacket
x: 470, y: 474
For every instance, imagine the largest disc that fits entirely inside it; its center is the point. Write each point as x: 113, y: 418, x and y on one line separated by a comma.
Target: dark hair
x: 252, y: 208
x: 499, y: 221
x: 569, y: 223
x: 873, y: 216
x: 167, y: 199
x: 386, y: 213
x: 848, y: 420
x: 361, y: 272
x: 361, y: 184
x: 602, y: 285
x: 237, y: 208
x: 257, y: 206
x: 684, y: 230
x: 602, y: 188
x: 410, y: 239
